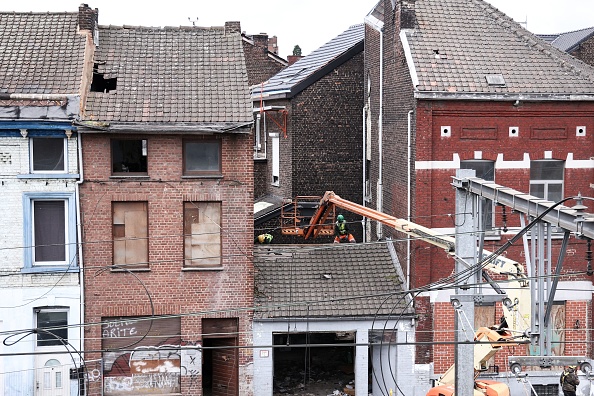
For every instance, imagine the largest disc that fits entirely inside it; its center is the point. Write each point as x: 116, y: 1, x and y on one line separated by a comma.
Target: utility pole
x: 463, y: 303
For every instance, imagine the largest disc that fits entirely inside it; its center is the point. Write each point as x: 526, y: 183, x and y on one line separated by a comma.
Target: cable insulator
x: 589, y: 258
x: 504, y: 219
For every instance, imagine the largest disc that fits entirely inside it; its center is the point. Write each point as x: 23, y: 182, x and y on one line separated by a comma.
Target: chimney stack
x: 293, y: 58
x: 408, y: 17
x: 232, y: 27
x: 87, y: 18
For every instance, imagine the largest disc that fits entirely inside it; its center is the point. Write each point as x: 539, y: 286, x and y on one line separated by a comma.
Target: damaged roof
x: 468, y: 46
x: 40, y: 53
x: 309, y: 69
x: 186, y: 76
x: 328, y: 281
x: 570, y: 40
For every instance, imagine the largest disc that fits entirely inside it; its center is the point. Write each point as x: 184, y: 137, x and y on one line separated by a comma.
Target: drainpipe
x: 408, y: 194
x: 380, y: 190
x: 80, y: 245
x: 364, y: 220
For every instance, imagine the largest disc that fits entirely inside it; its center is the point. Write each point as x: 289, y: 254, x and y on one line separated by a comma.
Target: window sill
x: 214, y: 176
x: 53, y: 269
x: 130, y: 269
x: 145, y: 177
x: 200, y: 269
x: 49, y: 176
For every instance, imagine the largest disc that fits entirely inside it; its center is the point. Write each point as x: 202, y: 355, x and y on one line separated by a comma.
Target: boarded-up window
x: 144, y: 356
x: 130, y: 234
x: 202, y: 234
x: 484, y: 316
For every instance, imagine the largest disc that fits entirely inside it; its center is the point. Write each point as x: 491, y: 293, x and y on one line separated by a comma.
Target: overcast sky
x: 309, y: 23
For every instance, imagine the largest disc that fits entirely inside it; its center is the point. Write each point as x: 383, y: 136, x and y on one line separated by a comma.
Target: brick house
x: 42, y: 75
x: 308, y: 126
x: 260, y: 59
x: 579, y: 43
x: 345, y: 300
x: 458, y: 84
x: 166, y: 199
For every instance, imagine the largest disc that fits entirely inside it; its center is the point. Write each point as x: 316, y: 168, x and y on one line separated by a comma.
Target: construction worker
x: 569, y: 381
x: 264, y: 238
x: 341, y: 231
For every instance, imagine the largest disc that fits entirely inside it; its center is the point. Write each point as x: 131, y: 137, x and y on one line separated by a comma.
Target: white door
x: 52, y: 379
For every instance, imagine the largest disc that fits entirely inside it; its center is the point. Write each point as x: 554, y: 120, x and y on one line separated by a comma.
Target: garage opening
x: 314, y: 364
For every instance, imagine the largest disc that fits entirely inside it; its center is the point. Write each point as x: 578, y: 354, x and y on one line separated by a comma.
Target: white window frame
x: 490, y: 229
x: 31, y: 155
x: 52, y: 309
x: 548, y: 182
x: 275, y: 179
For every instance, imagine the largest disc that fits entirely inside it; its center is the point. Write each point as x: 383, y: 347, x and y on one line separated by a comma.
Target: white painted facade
x: 26, y: 288
x: 393, y: 365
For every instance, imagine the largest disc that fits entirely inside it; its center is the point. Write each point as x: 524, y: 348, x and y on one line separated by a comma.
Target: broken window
x: 54, y: 325
x: 47, y: 154
x: 129, y: 157
x: 130, y: 234
x: 202, y: 234
x: 202, y: 157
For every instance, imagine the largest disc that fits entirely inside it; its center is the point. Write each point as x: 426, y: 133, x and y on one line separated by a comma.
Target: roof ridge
x: 161, y: 28
x: 564, y: 59
x: 575, y: 31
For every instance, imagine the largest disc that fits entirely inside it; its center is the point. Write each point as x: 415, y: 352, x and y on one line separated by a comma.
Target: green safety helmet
x: 340, y: 218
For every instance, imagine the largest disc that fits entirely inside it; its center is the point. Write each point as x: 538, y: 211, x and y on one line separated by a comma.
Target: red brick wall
x: 260, y: 66
x: 173, y: 291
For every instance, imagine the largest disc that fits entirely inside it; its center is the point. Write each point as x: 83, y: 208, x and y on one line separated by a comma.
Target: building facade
x: 40, y: 93
x: 165, y: 203
x: 436, y: 104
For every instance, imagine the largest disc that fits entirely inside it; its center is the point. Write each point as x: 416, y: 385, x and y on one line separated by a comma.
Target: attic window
x: 495, y: 80
x: 439, y: 55
x: 102, y: 84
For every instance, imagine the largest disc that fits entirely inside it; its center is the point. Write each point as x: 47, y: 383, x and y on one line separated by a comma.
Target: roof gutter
x: 503, y: 96
x: 21, y: 96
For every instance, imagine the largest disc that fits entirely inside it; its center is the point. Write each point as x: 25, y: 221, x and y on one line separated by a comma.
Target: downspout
x: 364, y: 220
x: 80, y: 245
x: 408, y: 194
x: 380, y: 191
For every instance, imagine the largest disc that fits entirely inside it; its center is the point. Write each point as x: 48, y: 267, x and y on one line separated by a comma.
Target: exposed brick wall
x: 585, y: 51
x: 172, y: 290
x: 433, y: 199
x: 323, y: 148
x: 260, y: 66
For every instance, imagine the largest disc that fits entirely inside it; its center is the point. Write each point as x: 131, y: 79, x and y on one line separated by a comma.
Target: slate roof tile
x: 171, y: 75
x: 306, y: 67
x: 473, y: 39
x: 40, y: 53
x: 327, y: 281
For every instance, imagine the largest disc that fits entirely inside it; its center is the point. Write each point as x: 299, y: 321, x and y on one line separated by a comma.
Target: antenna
x: 193, y: 21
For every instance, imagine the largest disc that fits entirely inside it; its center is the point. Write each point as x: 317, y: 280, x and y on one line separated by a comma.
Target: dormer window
x: 48, y: 155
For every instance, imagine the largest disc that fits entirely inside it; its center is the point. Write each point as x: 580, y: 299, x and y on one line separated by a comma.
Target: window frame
x: 54, y: 309
x: 32, y: 155
x: 144, y: 144
x: 204, y: 173
x: 275, y: 174
x: 70, y: 263
x: 548, y: 182
x: 187, y: 265
x: 489, y: 228
x: 141, y: 265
